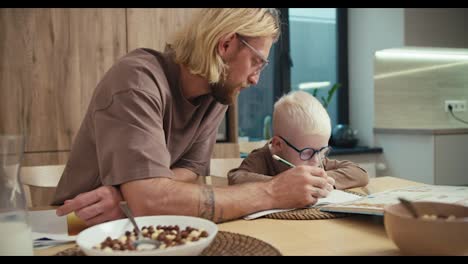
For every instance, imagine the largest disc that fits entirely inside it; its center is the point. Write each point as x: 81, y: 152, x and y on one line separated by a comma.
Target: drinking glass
x: 15, y: 230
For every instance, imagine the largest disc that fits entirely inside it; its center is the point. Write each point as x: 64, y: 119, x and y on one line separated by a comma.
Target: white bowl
x: 94, y: 235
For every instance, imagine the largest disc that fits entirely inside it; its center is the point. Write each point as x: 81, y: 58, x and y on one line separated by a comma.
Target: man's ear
x: 225, y: 44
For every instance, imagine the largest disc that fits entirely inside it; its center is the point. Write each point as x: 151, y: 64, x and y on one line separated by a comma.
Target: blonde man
x: 151, y: 125
x: 302, y: 129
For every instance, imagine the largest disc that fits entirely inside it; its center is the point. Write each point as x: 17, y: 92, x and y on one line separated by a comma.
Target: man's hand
x: 94, y: 207
x: 299, y: 187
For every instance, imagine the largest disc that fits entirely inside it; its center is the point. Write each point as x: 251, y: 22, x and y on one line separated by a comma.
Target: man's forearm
x: 243, y: 176
x: 162, y: 196
x: 184, y: 175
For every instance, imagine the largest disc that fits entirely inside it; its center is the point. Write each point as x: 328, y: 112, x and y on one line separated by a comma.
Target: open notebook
x: 374, y: 204
x: 335, y: 196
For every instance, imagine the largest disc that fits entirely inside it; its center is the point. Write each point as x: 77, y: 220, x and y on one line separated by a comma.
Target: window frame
x: 284, y: 62
x: 282, y: 72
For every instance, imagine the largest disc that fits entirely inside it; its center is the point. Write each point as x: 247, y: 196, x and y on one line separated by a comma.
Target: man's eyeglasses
x: 264, y: 60
x: 308, y: 153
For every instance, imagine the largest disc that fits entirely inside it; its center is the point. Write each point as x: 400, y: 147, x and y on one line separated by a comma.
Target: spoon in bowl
x: 409, y: 206
x: 141, y: 242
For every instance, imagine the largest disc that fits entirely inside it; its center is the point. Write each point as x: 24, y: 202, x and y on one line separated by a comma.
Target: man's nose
x: 253, y: 78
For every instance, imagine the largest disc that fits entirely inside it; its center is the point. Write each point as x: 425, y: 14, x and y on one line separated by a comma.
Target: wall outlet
x: 457, y: 105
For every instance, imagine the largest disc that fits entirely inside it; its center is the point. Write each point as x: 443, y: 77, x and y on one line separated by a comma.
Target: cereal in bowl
x: 438, y: 217
x: 169, y: 236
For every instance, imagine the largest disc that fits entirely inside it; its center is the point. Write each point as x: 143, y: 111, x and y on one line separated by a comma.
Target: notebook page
x: 335, y: 196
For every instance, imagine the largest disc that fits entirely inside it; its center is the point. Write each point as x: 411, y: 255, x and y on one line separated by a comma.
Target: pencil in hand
x: 276, y: 157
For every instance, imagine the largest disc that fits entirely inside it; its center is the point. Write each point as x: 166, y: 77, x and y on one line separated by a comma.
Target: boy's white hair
x: 300, y: 111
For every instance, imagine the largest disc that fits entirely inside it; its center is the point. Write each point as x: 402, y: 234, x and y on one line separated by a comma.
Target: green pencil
x: 283, y: 160
x: 278, y: 158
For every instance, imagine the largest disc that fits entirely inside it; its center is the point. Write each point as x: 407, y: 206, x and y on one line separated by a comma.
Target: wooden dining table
x: 351, y: 235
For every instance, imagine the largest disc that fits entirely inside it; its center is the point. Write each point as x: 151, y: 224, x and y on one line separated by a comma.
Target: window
x: 312, y: 37
x: 310, y: 53
x: 256, y: 104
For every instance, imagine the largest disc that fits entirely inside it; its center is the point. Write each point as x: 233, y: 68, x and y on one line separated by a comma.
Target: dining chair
x: 225, y: 150
x: 219, y: 169
x: 40, y: 182
x: 247, y: 147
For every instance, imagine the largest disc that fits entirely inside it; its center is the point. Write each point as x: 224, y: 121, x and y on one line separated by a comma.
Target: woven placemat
x: 233, y: 244
x: 308, y: 213
x: 224, y: 244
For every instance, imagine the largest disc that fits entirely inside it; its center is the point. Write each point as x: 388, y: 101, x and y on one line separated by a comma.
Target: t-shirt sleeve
x: 347, y: 174
x: 255, y: 162
x: 197, y: 157
x: 130, y: 139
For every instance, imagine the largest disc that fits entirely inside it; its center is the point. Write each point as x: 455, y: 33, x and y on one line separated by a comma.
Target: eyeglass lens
x: 309, y: 153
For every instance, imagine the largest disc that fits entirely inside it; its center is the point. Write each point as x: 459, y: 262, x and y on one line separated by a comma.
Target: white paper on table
x: 266, y: 212
x: 335, y: 196
x: 46, y: 224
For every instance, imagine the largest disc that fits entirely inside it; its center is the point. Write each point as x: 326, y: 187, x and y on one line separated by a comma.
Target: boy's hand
x: 299, y: 187
x: 330, y: 180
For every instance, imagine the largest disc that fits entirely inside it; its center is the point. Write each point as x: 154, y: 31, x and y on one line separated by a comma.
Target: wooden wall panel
x: 53, y: 59
x: 153, y: 27
x: 15, y: 67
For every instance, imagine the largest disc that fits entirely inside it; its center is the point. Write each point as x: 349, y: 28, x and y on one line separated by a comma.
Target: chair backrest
x: 225, y: 150
x: 247, y: 147
x: 220, y: 167
x: 40, y: 182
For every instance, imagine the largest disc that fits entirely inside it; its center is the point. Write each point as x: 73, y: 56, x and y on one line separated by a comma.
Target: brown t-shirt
x: 260, y: 161
x: 139, y: 125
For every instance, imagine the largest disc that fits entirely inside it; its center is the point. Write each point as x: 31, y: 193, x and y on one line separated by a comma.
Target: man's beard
x: 224, y: 93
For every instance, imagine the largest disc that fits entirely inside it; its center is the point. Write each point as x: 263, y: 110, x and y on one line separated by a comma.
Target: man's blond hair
x: 300, y: 111
x: 196, y: 45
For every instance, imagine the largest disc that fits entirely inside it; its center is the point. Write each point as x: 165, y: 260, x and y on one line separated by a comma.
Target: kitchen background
x: 52, y: 58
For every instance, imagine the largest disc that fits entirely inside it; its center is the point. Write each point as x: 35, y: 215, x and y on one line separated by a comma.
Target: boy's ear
x: 224, y: 43
x: 276, y: 144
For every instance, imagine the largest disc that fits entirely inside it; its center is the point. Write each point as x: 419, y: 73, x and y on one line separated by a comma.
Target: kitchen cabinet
x: 432, y: 156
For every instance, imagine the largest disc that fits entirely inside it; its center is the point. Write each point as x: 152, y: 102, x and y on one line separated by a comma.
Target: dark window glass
x: 310, y: 53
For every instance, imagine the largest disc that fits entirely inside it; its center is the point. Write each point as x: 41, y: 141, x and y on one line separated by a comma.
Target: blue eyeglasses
x: 308, y: 153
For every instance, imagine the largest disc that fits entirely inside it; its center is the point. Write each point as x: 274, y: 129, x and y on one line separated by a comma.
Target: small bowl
x: 94, y: 235
x: 423, y: 236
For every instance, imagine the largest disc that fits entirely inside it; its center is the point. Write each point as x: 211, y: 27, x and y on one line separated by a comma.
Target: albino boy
x: 301, y: 131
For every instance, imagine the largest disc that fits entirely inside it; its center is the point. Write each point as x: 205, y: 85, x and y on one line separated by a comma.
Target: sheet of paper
x: 266, y: 212
x: 432, y: 193
x: 335, y: 196
x: 46, y: 224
